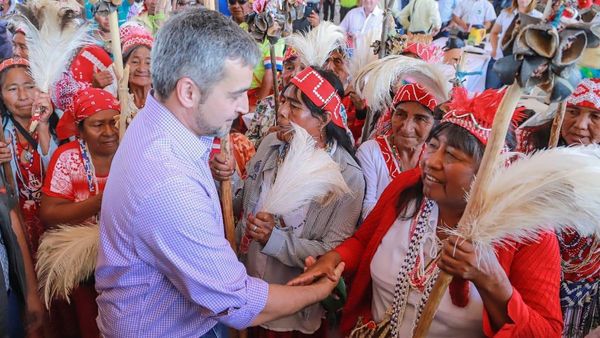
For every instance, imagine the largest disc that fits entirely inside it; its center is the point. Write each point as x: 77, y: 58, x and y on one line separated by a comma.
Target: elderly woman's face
x: 293, y: 110
x: 20, y: 48
x: 411, y: 124
x: 581, y: 126
x: 139, y: 67
x: 100, y: 133
x: 290, y: 69
x: 447, y: 173
x: 338, y: 64
x: 18, y: 92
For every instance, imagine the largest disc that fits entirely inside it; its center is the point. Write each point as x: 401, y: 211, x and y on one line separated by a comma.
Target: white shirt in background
x: 357, y: 22
x: 475, y: 12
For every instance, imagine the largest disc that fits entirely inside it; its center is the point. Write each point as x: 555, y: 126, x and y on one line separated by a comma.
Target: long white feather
x: 363, y: 53
x: 314, y: 47
x: 307, y: 174
x: 375, y: 81
x: 65, y: 258
x: 551, y: 190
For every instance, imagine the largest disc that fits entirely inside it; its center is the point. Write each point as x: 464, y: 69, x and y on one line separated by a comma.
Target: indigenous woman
x: 385, y: 157
x: 580, y: 287
x: 278, y: 248
x: 137, y: 44
x: 72, y: 191
x: 393, y: 255
x: 27, y: 153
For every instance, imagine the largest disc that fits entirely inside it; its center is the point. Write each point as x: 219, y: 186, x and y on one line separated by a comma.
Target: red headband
x: 14, y: 61
x: 587, y: 94
x: 321, y: 93
x: 413, y: 92
x: 289, y: 54
x: 87, y: 102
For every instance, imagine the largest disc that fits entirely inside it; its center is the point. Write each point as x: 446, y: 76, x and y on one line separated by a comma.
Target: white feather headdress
x: 376, y: 80
x: 363, y: 53
x: 65, y: 258
x: 314, y: 47
x: 551, y: 190
x: 307, y: 174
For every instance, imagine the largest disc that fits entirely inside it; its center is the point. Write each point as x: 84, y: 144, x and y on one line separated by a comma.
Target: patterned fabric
x: 388, y: 156
x: 321, y: 93
x: 133, y: 35
x: 264, y: 118
x: 414, y: 92
x: 86, y: 103
x: 587, y: 94
x: 427, y: 52
x: 164, y: 266
x: 14, y: 61
x: 290, y: 53
x: 66, y: 177
x: 242, y: 150
x: 580, y: 302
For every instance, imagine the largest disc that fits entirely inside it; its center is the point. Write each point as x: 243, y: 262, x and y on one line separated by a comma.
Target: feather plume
x: 307, y: 174
x: 363, y: 54
x: 314, y: 47
x: 65, y: 258
x: 551, y: 190
x: 375, y: 80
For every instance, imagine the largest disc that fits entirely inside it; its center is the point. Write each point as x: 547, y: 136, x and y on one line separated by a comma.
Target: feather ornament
x: 306, y: 174
x: 314, y: 47
x: 363, y: 54
x: 65, y: 258
x: 375, y: 80
x: 551, y: 190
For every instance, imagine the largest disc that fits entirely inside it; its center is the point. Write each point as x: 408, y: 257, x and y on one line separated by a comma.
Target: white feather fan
x: 363, y: 53
x: 375, y: 80
x: 551, y: 190
x: 66, y: 257
x: 314, y: 47
x: 307, y: 174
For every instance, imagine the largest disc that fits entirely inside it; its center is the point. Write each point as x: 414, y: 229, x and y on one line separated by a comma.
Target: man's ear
x: 188, y: 93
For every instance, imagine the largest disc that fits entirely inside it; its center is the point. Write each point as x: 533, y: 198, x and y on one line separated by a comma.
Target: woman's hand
x: 316, y: 269
x: 221, y: 167
x: 5, y: 153
x: 102, y: 79
x: 260, y: 227
x: 43, y: 106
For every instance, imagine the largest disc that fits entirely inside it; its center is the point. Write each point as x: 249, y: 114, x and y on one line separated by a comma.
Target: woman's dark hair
x: 332, y: 131
x: 457, y: 137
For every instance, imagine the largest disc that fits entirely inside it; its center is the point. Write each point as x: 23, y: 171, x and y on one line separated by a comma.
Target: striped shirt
x: 164, y: 267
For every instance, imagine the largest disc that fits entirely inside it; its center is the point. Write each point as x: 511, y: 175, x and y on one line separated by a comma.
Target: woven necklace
x: 24, y: 158
x: 88, y: 165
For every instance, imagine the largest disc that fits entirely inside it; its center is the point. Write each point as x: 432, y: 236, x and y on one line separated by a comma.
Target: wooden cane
x: 384, y: 27
x: 115, y: 43
x: 124, y: 102
x: 489, y: 163
x: 274, y: 71
x: 227, y: 198
x: 557, y: 124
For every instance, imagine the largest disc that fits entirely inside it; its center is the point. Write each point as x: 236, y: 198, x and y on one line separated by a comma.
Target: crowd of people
x: 156, y: 259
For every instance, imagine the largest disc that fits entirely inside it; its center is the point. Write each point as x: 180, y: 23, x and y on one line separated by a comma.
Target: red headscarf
x: 89, y: 60
x: 413, y: 92
x: 86, y: 103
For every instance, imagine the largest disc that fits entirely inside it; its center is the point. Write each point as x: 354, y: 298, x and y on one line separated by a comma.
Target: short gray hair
x: 195, y: 43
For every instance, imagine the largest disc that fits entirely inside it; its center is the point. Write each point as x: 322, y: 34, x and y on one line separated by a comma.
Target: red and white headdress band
x: 586, y: 95
x: 321, y: 93
x: 14, y: 61
x: 413, y: 92
x: 133, y: 35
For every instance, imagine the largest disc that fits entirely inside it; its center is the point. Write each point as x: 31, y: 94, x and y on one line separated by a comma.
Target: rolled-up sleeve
x: 178, y: 233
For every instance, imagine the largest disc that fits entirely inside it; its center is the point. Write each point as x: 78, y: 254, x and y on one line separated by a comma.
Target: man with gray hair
x: 164, y: 266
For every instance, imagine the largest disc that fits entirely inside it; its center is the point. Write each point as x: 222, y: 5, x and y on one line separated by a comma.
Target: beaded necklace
x: 24, y: 158
x: 88, y: 165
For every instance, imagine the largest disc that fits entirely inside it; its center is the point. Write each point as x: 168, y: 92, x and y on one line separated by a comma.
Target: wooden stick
x: 227, y: 198
x: 115, y: 43
x: 384, y: 31
x: 124, y: 102
x: 274, y: 70
x: 489, y: 163
x: 557, y: 124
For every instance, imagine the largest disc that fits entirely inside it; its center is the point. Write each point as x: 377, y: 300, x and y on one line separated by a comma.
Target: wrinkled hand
x: 102, y: 79
x: 459, y: 259
x: 324, y: 267
x: 260, y: 227
x: 221, y: 167
x: 43, y: 106
x: 313, y: 19
x: 5, y: 153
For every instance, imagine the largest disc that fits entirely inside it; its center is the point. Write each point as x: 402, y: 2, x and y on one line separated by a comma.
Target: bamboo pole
x: 557, y: 124
x: 489, y: 163
x: 274, y: 70
x: 124, y: 102
x: 384, y: 27
x: 115, y: 43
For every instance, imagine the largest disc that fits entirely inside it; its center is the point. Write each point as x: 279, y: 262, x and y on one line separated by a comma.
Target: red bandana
x: 14, y: 61
x: 427, y: 52
x: 413, y: 92
x: 476, y: 114
x: 91, y: 59
x: 586, y: 95
x: 290, y: 53
x: 133, y: 35
x: 87, y: 102
x: 321, y: 93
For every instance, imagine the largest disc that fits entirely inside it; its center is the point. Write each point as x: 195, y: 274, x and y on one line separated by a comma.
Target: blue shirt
x: 446, y: 8
x: 164, y: 266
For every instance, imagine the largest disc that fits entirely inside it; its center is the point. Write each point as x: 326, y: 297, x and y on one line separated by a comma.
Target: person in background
x: 122, y: 10
x: 19, y: 45
x: 239, y: 10
x: 136, y: 47
x: 469, y: 13
x: 328, y: 9
x: 346, y: 6
x: 152, y: 16
x: 421, y: 17
x: 446, y: 8
x: 362, y: 19
x: 102, y: 30
x: 500, y: 26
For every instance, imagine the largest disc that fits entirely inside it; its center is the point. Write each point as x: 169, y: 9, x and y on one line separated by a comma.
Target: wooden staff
x: 557, y: 124
x: 115, y: 43
x: 124, y: 102
x: 489, y: 163
x: 227, y: 198
x: 274, y: 71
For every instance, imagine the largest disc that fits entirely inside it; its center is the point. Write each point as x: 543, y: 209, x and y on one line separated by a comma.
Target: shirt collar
x: 376, y: 11
x: 196, y: 147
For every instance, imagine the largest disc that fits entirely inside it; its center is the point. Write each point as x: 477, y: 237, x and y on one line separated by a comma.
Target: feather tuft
x: 314, y: 47
x: 65, y: 258
x: 550, y: 190
x: 307, y: 174
x: 363, y: 54
x: 388, y: 72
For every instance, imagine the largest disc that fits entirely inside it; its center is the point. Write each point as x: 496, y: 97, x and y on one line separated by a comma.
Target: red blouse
x: 534, y: 272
